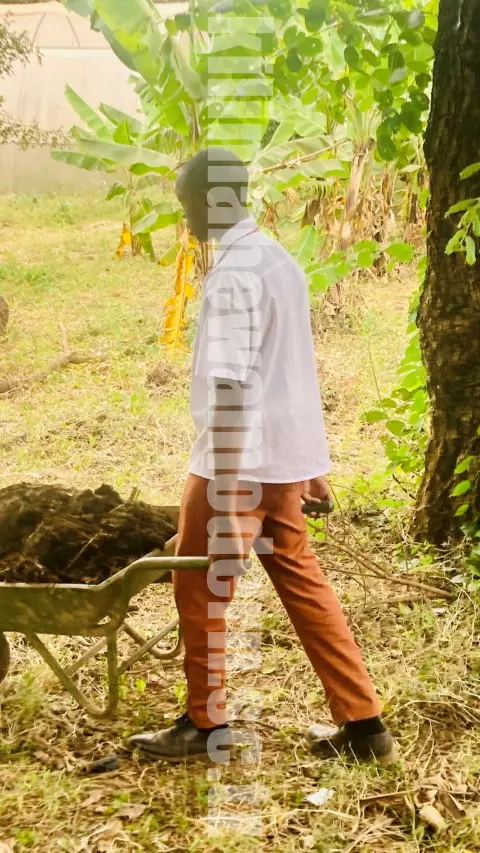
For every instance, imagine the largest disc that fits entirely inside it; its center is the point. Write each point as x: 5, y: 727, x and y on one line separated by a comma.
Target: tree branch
x: 373, y: 568
x: 287, y: 164
x: 13, y: 384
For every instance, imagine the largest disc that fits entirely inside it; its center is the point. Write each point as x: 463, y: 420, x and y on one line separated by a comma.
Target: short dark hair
x: 215, y: 167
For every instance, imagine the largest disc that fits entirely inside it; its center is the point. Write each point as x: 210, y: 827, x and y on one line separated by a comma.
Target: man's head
x: 212, y: 188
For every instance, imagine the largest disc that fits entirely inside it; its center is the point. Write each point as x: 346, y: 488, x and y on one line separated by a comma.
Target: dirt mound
x: 52, y: 535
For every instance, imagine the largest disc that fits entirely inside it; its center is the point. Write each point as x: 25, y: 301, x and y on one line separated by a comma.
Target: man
x: 261, y: 450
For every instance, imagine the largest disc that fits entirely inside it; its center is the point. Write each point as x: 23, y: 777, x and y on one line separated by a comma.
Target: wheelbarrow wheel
x: 4, y: 656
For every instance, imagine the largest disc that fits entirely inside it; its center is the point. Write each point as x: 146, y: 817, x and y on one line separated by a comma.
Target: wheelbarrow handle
x: 320, y: 507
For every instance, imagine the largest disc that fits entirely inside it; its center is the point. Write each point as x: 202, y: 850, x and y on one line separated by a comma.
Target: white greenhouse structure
x: 71, y: 53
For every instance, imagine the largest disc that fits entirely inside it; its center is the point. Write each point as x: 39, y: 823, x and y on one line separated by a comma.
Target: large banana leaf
x: 81, y: 7
x: 80, y: 133
x: 128, y: 155
x: 89, y: 116
x: 85, y: 9
x: 118, y: 117
x: 306, y: 245
x: 132, y: 28
x: 283, y: 133
x: 119, y: 50
x: 271, y: 156
x: 294, y: 120
x: 83, y: 161
x: 150, y: 180
x: 160, y: 216
x: 186, y: 75
x: 116, y: 190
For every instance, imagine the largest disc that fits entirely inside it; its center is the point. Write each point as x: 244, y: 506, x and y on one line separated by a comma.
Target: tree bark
x: 449, y: 315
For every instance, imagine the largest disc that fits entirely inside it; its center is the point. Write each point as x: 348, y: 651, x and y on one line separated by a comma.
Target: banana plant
x: 117, y: 144
x: 324, y: 273
x: 321, y: 57
x: 133, y: 29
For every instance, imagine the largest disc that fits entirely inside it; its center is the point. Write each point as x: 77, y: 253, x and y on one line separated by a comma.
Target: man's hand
x: 316, y: 491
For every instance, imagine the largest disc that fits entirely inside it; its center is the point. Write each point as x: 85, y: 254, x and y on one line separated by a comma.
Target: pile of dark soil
x: 53, y: 535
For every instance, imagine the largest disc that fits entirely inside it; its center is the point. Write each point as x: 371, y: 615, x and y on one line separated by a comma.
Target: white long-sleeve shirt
x: 254, y: 326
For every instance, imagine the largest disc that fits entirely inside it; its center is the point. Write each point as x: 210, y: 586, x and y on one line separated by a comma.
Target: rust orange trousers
x: 308, y: 599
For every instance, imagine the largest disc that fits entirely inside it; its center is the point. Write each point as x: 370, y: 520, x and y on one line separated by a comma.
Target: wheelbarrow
x: 95, y: 611
x: 89, y: 611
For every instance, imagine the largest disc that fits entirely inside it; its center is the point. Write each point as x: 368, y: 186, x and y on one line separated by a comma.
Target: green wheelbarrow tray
x: 88, y: 611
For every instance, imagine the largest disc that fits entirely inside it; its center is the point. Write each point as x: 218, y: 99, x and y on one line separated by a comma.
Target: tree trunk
x: 449, y: 315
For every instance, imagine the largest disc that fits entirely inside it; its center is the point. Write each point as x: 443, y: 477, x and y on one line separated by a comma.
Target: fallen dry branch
x: 398, y: 599
x: 372, y: 568
x: 464, y: 711
x: 13, y: 384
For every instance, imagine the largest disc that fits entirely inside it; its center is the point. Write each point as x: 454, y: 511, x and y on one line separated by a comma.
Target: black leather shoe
x: 184, y: 742
x: 328, y: 743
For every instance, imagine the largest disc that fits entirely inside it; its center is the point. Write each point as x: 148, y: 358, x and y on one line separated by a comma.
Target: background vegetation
x: 340, y: 177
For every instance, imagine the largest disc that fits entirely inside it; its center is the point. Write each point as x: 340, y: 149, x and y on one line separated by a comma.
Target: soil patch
x: 49, y: 534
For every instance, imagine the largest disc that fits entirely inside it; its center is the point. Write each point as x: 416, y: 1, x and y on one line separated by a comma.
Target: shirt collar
x: 236, y: 232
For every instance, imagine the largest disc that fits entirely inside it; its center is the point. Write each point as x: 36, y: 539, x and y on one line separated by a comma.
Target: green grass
x: 58, y: 270
x: 123, y: 419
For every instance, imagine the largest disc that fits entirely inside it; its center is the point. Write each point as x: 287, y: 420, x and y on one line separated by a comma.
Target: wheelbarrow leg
x: 140, y: 640
x: 113, y: 673
x: 69, y: 684
x: 4, y: 656
x: 145, y: 647
x: 91, y: 653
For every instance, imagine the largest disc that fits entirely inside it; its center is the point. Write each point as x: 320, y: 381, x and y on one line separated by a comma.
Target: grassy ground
x: 123, y: 419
